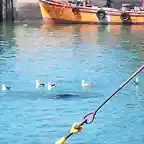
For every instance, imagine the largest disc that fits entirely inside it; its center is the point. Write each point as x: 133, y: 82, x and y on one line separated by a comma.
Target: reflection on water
x: 103, y: 35
x: 117, y: 37
x: 103, y: 55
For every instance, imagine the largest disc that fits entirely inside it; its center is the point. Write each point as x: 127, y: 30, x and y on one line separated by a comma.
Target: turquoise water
x: 103, y: 55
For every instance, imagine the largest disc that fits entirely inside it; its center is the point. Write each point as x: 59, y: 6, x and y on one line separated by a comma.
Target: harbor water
x: 67, y: 54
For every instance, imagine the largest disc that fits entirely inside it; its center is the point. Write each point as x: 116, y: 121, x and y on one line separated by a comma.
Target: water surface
x: 66, y: 54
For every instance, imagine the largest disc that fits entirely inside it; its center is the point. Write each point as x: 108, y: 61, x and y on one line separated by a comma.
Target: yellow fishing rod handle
x: 61, y: 141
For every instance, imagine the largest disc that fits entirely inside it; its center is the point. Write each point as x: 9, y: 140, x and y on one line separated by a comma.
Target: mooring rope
x: 3, y: 3
x: 6, y: 5
x: 77, y: 127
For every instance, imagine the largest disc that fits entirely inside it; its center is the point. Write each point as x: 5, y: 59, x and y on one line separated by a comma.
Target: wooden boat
x: 68, y: 13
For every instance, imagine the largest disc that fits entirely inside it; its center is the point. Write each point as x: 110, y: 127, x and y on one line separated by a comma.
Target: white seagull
x: 4, y: 87
x: 38, y: 84
x: 86, y: 84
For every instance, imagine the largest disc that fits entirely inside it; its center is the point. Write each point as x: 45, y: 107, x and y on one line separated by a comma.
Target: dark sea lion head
x: 64, y: 95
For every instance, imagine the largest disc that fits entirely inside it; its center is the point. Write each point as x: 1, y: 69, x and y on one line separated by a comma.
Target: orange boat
x: 69, y: 13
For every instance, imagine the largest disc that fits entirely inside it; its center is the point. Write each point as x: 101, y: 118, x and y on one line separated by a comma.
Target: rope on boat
x: 77, y: 127
x: 62, y: 10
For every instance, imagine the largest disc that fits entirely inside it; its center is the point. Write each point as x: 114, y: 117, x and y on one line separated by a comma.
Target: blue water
x: 103, y: 55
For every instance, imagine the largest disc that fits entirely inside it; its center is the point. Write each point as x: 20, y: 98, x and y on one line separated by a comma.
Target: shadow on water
x: 64, y: 96
x: 14, y: 95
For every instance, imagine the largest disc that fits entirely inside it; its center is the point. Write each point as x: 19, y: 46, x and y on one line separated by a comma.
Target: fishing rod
x: 77, y: 127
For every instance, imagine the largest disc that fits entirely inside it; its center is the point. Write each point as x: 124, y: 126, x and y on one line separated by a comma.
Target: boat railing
x: 96, y: 8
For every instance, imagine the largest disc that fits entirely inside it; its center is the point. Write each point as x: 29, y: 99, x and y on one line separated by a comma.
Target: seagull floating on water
x: 50, y: 86
x: 136, y: 81
x: 38, y: 84
x: 86, y: 84
x: 4, y: 87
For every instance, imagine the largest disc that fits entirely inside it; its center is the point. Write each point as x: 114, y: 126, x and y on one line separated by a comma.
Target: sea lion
x: 64, y: 96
